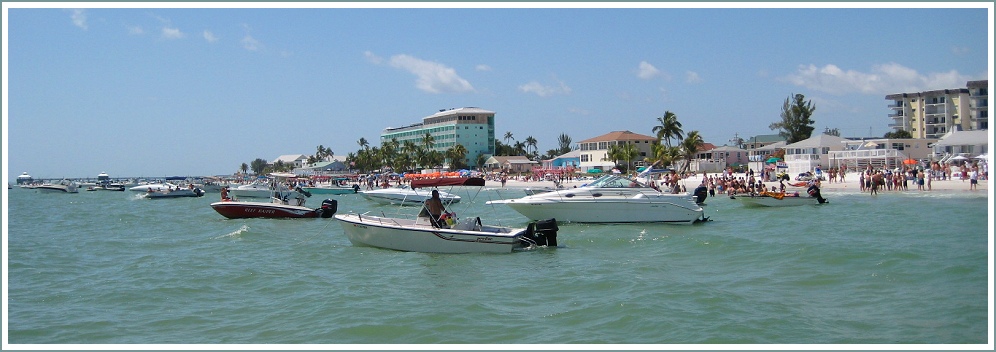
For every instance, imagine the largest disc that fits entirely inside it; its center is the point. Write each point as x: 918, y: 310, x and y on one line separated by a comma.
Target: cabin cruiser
x: 64, y: 186
x: 609, y: 199
x: 283, y: 204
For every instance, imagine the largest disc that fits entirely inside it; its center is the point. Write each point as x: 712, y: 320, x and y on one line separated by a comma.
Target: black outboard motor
x: 356, y: 188
x: 815, y: 192
x: 542, y: 233
x: 329, y: 207
x: 701, y: 192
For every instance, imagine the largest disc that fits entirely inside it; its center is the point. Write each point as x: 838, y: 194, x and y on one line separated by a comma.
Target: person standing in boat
x: 433, y: 209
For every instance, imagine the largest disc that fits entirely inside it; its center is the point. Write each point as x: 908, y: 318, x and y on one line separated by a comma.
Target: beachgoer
x: 974, y: 179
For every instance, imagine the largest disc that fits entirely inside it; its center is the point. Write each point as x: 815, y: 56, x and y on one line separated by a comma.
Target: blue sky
x: 169, y: 91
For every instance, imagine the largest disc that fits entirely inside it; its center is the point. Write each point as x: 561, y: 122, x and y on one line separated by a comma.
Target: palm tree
x: 689, y: 147
x: 363, y: 143
x: 531, y: 142
x: 669, y: 128
x: 458, y: 157
x: 520, y: 148
x: 244, y: 168
x: 508, y: 135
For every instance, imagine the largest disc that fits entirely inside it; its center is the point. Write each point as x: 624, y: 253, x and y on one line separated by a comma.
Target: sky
x: 134, y: 90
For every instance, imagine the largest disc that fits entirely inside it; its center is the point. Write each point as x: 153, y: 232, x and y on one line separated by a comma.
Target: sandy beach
x: 851, y: 185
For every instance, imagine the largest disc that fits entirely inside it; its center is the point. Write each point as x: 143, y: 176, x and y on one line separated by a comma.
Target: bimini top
x: 448, y: 181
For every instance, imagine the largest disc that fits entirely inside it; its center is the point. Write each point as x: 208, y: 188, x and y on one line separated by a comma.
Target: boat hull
x: 766, y: 201
x: 179, y: 193
x: 56, y: 189
x: 243, y: 210
x: 420, y: 236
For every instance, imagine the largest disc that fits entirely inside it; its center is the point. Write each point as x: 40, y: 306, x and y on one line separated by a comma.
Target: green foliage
x: 796, y: 119
x: 900, y: 134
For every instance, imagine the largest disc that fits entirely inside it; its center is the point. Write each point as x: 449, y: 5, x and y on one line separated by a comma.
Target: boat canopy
x: 448, y: 181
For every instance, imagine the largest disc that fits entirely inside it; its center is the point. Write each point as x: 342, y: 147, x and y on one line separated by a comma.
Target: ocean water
x: 111, y: 268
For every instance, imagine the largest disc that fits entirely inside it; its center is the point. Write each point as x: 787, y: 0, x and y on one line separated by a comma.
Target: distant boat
x: 179, y: 192
x: 333, y: 189
x: 64, y: 186
x: 282, y: 204
x: 24, y: 179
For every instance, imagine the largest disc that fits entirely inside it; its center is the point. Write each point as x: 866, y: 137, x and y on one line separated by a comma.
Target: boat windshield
x: 616, y: 181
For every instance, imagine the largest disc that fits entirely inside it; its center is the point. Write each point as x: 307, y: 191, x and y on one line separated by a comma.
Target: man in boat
x: 433, y: 209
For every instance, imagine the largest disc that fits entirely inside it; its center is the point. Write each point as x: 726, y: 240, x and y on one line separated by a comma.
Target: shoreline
x: 850, y: 185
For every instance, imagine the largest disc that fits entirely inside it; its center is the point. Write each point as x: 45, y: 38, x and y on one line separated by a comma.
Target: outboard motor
x: 815, y: 192
x: 329, y: 207
x: 356, y: 188
x: 542, y: 233
x: 701, y: 192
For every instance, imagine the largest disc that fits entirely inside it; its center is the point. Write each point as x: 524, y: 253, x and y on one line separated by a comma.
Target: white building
x: 931, y: 114
x: 806, y: 155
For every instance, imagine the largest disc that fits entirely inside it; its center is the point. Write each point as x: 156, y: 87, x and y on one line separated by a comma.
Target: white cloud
x: 135, y: 30
x: 431, y: 76
x: 79, y: 18
x: 881, y: 79
x: 647, y: 71
x: 172, y: 33
x: 545, y: 91
x: 483, y: 67
x: 373, y: 58
x: 960, y: 50
x: 692, y: 77
x: 210, y: 37
x: 251, y: 43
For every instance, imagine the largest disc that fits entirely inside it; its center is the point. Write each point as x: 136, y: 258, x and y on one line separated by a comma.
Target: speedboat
x: 276, y: 208
x: 264, y: 187
x: 609, y: 199
x: 155, y: 187
x: 420, y: 234
x: 178, y: 192
x: 283, y: 203
x: 332, y: 189
x: 406, y: 195
x: 64, y: 186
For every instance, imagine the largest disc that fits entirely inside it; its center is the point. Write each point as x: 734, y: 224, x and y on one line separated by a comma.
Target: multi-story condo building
x: 931, y: 114
x: 474, y: 128
x: 594, y: 151
x: 978, y: 92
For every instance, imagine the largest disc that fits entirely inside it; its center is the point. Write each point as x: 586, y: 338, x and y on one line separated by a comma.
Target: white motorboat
x: 469, y: 235
x: 155, y: 187
x: 181, y: 192
x: 406, y: 195
x: 64, y: 186
x: 609, y: 199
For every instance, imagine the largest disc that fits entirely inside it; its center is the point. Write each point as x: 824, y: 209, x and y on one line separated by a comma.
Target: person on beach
x: 973, y: 177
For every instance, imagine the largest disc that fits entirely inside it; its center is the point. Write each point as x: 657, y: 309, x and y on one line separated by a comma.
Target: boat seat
x: 468, y: 224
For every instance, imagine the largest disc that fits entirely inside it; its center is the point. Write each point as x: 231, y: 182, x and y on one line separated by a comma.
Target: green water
x: 109, y: 268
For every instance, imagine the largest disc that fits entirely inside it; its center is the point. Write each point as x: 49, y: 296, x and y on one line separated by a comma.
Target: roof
x: 571, y: 154
x: 467, y: 110
x: 290, y: 158
x: 821, y: 140
x: 976, y: 137
x: 727, y: 148
x: 773, y: 146
x: 515, y: 159
x: 619, y: 136
x: 765, y: 138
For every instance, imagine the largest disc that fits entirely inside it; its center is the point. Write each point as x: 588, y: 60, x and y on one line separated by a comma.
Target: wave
x: 235, y: 234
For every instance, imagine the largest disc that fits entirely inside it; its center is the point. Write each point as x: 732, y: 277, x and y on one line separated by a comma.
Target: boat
x: 405, y: 195
x: 469, y: 235
x: 782, y: 199
x: 609, y: 199
x: 155, y: 187
x: 264, y: 187
x: 179, y: 192
x: 283, y: 204
x: 64, y: 186
x: 336, y: 187
x: 104, y: 183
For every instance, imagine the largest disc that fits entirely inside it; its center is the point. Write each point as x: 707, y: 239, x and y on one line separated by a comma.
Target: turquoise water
x: 109, y: 268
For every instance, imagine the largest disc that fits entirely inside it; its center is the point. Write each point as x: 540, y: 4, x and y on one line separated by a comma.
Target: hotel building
x: 474, y: 128
x: 594, y: 151
x: 931, y: 114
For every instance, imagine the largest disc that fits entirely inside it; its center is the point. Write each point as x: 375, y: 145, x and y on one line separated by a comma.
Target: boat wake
x: 235, y: 234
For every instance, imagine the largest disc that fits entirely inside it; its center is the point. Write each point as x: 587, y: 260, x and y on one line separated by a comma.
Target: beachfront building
x: 569, y: 160
x: 806, y: 155
x: 978, y: 92
x: 335, y: 165
x: 931, y: 114
x: 881, y: 153
x: 717, y: 159
x: 296, y: 161
x: 510, y: 164
x: 967, y: 144
x: 474, y: 128
x: 594, y: 152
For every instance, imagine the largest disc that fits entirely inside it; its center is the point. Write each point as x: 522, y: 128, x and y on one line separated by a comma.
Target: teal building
x: 472, y: 127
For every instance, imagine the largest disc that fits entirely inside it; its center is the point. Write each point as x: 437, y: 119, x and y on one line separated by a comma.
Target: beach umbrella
x: 959, y: 157
x: 772, y: 160
x: 909, y: 162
